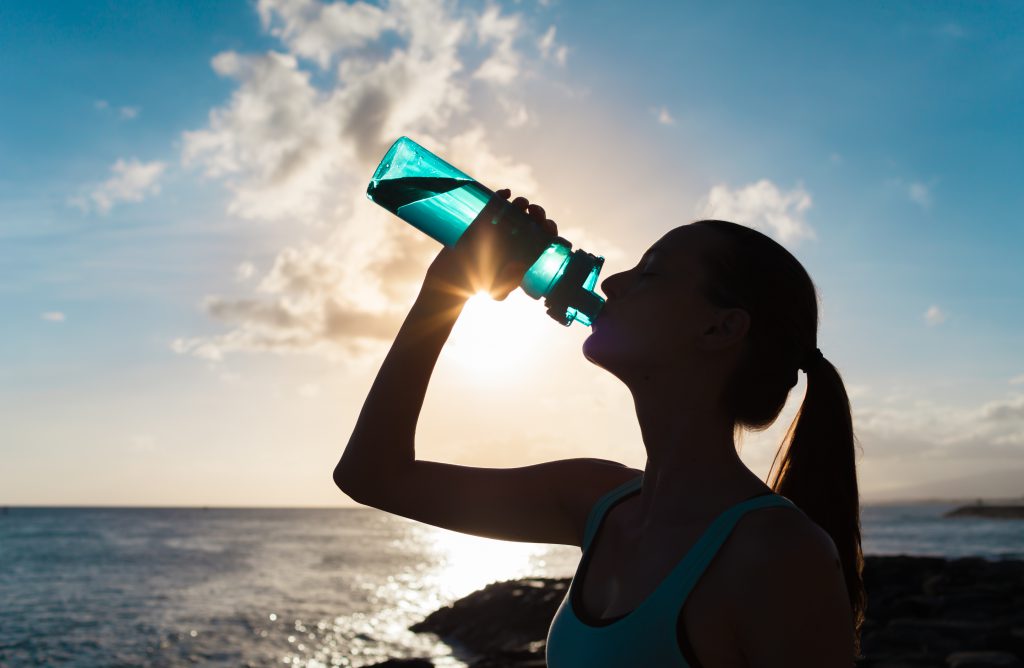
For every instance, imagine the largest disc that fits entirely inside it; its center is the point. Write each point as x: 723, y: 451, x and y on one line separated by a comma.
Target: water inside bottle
x: 440, y: 207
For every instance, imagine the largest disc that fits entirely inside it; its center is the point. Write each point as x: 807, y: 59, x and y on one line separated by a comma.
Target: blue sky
x: 181, y: 204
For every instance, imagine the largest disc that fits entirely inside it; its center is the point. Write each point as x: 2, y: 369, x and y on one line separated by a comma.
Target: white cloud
x: 53, y: 316
x: 935, y: 316
x: 101, y: 104
x: 548, y: 48
x: 131, y: 181
x: 1011, y: 408
x: 320, y: 32
x: 919, y: 193
x: 128, y: 113
x: 290, y: 148
x: 1017, y: 380
x: 904, y: 428
x: 244, y: 271
x: 664, y: 117
x: 502, y: 67
x: 763, y: 206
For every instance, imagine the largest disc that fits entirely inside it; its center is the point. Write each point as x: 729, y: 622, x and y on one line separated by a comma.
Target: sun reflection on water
x: 464, y: 563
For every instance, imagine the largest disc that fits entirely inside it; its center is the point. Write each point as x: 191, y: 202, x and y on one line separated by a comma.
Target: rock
x: 405, y: 663
x: 983, y: 660
x: 922, y: 612
x: 505, y: 621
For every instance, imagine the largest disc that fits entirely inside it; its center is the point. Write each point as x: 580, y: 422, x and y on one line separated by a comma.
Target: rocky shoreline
x: 922, y: 613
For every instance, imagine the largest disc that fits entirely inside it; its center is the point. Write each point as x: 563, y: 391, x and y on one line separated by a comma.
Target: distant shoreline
x: 992, y: 512
x: 969, y: 501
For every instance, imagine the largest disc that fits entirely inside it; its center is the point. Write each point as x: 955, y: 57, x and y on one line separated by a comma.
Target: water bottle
x: 441, y: 201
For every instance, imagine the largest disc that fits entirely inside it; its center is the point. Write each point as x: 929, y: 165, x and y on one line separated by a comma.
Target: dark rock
x: 922, y: 612
x: 983, y: 660
x: 504, y: 621
x: 405, y: 663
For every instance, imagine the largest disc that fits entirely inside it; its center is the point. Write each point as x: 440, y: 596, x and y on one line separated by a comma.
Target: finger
x: 550, y: 226
x: 491, y: 208
x: 521, y: 202
x: 536, y: 210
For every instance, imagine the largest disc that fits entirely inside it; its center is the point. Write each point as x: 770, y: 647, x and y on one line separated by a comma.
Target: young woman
x: 693, y: 561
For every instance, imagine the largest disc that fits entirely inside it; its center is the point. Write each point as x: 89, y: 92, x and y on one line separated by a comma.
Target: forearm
x: 384, y: 434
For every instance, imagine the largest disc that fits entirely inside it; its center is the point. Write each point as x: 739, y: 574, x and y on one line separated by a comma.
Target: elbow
x: 342, y: 480
x: 351, y: 482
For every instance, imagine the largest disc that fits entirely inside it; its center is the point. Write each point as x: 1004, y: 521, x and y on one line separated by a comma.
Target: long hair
x: 818, y: 470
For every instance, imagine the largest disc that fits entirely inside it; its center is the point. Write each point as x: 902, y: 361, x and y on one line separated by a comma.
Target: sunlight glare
x: 468, y: 563
x: 492, y: 337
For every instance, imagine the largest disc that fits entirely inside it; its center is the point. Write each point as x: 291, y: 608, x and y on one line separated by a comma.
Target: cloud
x: 905, y: 428
x: 293, y: 148
x: 1005, y: 409
x: 131, y: 181
x: 125, y: 113
x: 664, y: 117
x: 244, y: 271
x: 919, y: 193
x: 763, y: 206
x: 550, y: 50
x: 320, y: 32
x: 1017, y: 380
x: 502, y: 67
x: 935, y: 316
x: 53, y: 316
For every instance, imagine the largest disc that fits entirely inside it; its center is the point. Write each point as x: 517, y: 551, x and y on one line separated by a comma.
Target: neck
x: 693, y: 471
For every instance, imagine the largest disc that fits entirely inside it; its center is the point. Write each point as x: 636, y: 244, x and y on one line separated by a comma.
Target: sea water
x: 303, y: 587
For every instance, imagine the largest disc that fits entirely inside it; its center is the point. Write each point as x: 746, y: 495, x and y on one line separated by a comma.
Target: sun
x: 493, y: 338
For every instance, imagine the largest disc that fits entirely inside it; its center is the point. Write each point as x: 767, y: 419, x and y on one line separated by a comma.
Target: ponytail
x: 817, y: 471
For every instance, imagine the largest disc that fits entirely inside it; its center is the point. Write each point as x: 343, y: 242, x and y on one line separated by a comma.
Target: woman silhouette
x: 693, y: 561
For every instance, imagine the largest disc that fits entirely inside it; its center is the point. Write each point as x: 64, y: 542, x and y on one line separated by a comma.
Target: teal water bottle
x: 441, y: 201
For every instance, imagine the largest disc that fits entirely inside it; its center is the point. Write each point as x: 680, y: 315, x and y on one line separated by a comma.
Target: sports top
x: 652, y: 634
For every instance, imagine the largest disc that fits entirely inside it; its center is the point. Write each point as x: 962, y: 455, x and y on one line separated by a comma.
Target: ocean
x: 300, y: 587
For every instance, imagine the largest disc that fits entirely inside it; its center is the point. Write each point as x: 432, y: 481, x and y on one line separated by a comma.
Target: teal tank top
x: 647, y: 636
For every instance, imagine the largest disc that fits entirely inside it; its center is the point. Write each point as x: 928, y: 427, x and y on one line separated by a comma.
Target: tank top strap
x: 676, y: 587
x: 602, y: 505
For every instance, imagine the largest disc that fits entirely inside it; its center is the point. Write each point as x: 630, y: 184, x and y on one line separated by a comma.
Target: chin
x: 597, y: 351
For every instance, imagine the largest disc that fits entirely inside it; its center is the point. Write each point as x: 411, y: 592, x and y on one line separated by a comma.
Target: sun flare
x: 497, y: 338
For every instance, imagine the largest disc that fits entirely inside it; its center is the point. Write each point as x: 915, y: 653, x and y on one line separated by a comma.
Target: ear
x: 727, y: 328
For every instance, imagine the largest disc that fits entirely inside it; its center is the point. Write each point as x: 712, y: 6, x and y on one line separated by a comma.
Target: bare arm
x: 384, y: 435
x: 542, y: 503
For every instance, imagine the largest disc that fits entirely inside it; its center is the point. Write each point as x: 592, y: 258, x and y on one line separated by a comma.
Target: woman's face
x: 652, y: 321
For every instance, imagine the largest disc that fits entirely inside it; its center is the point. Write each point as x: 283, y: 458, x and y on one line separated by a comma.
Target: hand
x: 480, y: 259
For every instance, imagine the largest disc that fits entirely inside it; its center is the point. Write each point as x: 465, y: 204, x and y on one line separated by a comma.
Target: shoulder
x: 790, y: 605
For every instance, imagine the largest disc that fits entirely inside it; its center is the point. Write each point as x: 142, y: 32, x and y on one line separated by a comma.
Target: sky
x: 197, y: 294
